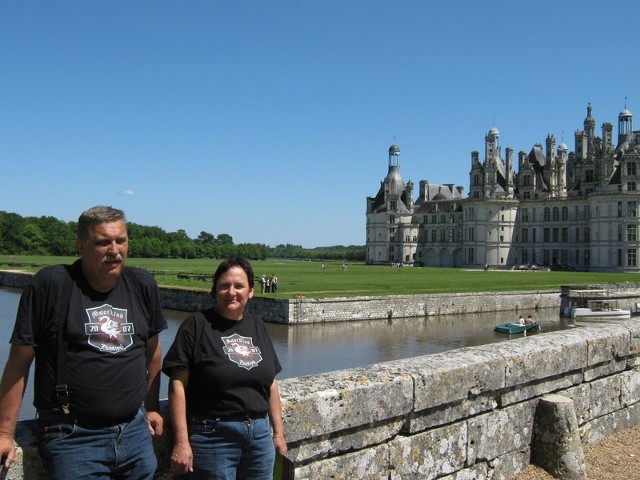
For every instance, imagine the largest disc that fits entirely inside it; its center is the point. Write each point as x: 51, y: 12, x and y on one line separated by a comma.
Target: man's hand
x: 156, y: 423
x: 7, y: 450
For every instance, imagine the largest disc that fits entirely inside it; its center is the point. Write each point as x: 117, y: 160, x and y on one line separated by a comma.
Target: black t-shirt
x: 231, y: 364
x: 106, y: 336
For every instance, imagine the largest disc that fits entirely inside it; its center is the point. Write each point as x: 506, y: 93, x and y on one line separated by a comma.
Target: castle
x: 575, y: 210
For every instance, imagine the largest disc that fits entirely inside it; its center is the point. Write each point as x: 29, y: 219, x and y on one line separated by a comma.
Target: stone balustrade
x: 464, y: 414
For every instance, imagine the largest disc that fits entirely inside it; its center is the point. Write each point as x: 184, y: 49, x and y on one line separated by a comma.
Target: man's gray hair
x: 97, y: 216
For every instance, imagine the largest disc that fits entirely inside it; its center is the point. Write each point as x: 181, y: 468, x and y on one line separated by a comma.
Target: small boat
x: 516, y: 327
x: 585, y: 312
x: 594, y: 304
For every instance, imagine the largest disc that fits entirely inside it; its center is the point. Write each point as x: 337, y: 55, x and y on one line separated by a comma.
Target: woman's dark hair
x: 230, y: 262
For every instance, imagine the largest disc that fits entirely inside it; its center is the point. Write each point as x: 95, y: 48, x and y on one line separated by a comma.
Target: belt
x: 58, y: 416
x: 227, y: 418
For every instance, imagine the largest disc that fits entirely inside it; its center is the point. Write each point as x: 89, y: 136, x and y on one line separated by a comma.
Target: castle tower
x: 625, y: 129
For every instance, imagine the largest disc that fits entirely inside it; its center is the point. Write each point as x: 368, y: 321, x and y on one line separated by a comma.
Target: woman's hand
x: 280, y: 444
x: 182, y: 458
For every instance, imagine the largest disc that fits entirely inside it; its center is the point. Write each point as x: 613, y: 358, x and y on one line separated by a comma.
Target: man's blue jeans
x: 232, y: 449
x: 123, y: 451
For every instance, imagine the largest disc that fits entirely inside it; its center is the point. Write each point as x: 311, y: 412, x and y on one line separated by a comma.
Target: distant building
x: 574, y: 210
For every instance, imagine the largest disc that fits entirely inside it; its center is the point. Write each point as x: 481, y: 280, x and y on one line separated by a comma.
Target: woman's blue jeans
x: 232, y: 449
x: 123, y: 451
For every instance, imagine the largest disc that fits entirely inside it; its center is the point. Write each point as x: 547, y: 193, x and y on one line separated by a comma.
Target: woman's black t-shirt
x: 231, y: 364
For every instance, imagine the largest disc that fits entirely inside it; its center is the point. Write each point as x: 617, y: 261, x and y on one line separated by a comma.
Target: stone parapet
x: 469, y: 413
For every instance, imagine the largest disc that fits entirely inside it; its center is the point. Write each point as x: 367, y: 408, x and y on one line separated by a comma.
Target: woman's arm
x: 275, y: 414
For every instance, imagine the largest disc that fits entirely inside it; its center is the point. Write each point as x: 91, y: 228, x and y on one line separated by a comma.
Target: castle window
x: 619, y: 209
x: 525, y: 235
x: 631, y: 209
x: 619, y: 257
x: 590, y: 177
x: 631, y: 186
x: 631, y: 168
x: 619, y: 232
x: 547, y: 214
x: 524, y: 214
x: 632, y: 260
x: 556, y: 214
x: 565, y: 213
x: 632, y: 233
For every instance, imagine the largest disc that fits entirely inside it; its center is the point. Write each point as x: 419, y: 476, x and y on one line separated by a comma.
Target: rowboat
x: 516, y: 327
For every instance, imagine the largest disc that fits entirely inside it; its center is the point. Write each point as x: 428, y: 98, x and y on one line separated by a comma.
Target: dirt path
x: 614, y: 458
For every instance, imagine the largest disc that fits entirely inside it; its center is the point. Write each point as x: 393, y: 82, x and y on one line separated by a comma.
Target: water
x: 317, y: 348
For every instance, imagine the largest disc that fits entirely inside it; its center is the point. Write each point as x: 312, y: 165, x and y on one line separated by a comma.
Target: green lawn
x: 304, y: 278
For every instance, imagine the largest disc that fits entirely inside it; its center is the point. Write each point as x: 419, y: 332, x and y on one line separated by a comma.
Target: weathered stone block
x: 450, y: 413
x: 496, y: 433
x: 372, y: 464
x: 527, y: 361
x: 454, y: 376
x: 344, y: 441
x: 318, y: 405
x: 630, y: 387
x: 506, y: 466
x: 602, y: 427
x: 438, y: 452
x: 605, y: 396
x: 581, y: 396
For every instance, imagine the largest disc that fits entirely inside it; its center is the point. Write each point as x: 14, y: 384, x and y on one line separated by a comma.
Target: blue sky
x: 271, y: 120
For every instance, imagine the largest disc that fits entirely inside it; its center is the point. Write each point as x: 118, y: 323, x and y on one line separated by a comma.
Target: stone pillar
x: 556, y: 445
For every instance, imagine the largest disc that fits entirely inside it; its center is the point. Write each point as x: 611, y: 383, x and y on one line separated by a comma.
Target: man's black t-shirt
x: 106, y: 335
x: 231, y: 364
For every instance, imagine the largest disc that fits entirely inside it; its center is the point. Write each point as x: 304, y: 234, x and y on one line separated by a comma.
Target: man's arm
x: 181, y: 455
x: 152, y: 401
x: 14, y: 380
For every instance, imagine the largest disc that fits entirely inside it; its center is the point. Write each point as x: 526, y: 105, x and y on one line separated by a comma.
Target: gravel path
x: 613, y: 458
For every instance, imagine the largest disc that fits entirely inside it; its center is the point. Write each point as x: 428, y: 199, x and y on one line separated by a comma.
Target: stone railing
x: 464, y: 414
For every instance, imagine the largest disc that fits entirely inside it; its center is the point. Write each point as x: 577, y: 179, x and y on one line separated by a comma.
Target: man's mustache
x: 112, y: 258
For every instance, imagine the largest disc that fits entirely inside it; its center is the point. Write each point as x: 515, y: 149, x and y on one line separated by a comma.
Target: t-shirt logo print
x: 108, y: 330
x: 241, y: 350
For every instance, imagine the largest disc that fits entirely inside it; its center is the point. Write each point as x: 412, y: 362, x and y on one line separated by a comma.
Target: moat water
x: 317, y: 348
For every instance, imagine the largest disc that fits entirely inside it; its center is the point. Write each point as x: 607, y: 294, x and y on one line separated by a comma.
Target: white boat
x: 595, y: 304
x: 606, y: 313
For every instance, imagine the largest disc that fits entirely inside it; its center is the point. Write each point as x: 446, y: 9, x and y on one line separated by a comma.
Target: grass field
x: 303, y: 278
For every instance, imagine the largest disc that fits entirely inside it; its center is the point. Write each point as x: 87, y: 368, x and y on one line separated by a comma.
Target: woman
x: 223, y: 396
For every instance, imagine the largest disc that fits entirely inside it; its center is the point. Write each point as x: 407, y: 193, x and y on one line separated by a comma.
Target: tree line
x: 47, y: 235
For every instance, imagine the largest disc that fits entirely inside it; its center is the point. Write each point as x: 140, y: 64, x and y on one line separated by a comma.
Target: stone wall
x: 339, y: 309
x: 465, y: 414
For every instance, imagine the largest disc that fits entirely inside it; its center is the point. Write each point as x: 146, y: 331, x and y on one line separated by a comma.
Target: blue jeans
x: 232, y: 449
x: 123, y: 451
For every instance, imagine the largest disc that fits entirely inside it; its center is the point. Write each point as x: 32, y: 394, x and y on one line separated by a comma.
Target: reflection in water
x: 324, y: 347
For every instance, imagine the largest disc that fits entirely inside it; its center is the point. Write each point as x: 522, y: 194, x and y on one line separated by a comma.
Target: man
x: 92, y: 328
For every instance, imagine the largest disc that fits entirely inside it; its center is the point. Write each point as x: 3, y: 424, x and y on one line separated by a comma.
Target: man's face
x: 103, y: 254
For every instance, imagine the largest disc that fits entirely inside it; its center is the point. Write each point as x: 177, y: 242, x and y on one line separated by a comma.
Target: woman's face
x: 233, y: 293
